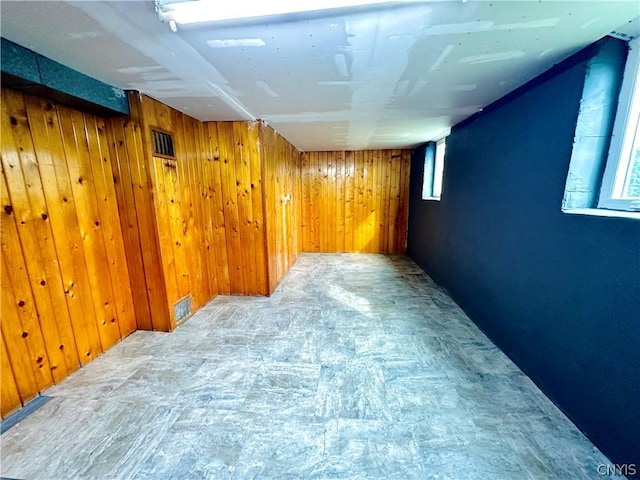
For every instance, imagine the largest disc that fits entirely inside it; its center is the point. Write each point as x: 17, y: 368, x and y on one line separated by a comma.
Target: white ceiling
x: 394, y: 75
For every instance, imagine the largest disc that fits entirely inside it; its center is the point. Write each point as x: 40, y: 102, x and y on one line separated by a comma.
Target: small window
x: 433, y: 171
x: 162, y: 144
x: 621, y: 180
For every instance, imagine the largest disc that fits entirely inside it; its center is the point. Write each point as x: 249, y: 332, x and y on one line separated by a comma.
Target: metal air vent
x: 162, y: 144
x: 182, y: 308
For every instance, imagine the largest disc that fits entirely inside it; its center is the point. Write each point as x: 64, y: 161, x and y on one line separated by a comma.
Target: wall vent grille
x: 162, y: 144
x: 182, y: 309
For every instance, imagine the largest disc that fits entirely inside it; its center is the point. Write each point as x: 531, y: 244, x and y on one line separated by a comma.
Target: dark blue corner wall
x: 559, y: 293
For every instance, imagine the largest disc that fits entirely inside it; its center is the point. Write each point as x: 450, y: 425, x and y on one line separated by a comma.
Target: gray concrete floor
x: 358, y: 366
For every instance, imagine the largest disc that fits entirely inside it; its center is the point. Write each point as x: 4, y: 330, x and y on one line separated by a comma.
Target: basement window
x: 433, y: 171
x: 621, y: 180
x: 162, y: 144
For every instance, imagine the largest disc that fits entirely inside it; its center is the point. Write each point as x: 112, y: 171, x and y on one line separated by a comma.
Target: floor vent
x: 182, y: 308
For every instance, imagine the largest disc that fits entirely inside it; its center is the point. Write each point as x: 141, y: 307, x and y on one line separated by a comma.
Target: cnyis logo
x: 626, y: 469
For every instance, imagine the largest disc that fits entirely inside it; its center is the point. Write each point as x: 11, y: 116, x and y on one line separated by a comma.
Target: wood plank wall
x: 65, y: 282
x: 235, y: 181
x: 180, y: 226
x: 138, y: 223
x: 283, y: 202
x: 355, y: 201
x: 207, y: 209
x: 100, y: 237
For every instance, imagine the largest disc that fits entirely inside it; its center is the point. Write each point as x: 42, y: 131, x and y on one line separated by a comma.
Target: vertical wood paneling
x: 124, y: 159
x: 394, y: 199
x: 330, y: 178
x: 316, y: 203
x: 177, y: 202
x: 377, y: 166
x: 20, y: 328
x: 45, y: 132
x: 269, y: 162
x: 112, y: 233
x: 293, y: 154
x: 359, y: 215
x: 177, y: 222
x: 340, y: 201
x: 325, y: 220
x: 403, y: 216
x: 282, y: 197
x: 163, y: 222
x: 65, y: 284
x: 213, y: 179
x: 35, y: 237
x: 137, y: 173
x: 115, y: 236
x: 232, y: 180
x: 202, y: 279
x: 186, y: 187
x: 349, y: 201
x: 304, y: 226
x: 169, y: 204
x: 208, y: 205
x: 384, y: 200
x: 9, y: 395
x: 230, y: 201
x: 160, y: 208
x: 355, y: 201
x: 245, y: 208
x: 209, y: 254
x: 202, y: 164
x: 367, y: 202
x: 20, y: 325
x: 78, y: 156
x: 256, y: 194
x: 167, y: 208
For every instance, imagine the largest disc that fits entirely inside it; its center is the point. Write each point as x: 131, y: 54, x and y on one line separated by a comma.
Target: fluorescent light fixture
x: 185, y: 12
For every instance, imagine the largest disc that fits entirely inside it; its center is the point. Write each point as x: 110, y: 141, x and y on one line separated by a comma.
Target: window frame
x: 433, y: 173
x: 438, y: 168
x: 619, y: 151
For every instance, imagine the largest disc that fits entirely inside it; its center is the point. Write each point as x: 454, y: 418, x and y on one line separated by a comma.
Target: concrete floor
x: 358, y: 366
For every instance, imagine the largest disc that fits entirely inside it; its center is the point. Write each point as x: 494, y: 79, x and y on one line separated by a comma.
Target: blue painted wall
x: 559, y: 293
